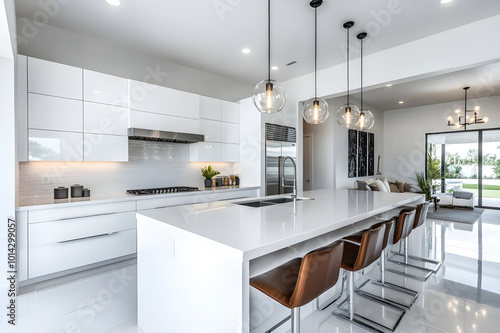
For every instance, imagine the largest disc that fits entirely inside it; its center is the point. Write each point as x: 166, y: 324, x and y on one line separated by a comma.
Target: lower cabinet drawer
x: 83, y: 227
x: 52, y: 258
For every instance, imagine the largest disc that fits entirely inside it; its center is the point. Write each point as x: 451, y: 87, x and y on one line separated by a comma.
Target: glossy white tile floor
x: 463, y: 297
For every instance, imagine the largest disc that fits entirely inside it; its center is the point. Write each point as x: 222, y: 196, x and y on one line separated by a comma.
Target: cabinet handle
x: 88, y: 237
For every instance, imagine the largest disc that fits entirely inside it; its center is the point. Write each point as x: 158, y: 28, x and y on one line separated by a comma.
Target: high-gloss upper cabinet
x: 210, y: 108
x: 219, y: 123
x: 50, y: 78
x: 105, y: 119
x: 70, y: 114
x: 157, y: 99
x: 230, y: 112
x: 54, y: 113
x: 104, y: 88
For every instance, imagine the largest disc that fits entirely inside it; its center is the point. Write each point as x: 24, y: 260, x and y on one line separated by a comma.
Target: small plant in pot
x: 208, y: 173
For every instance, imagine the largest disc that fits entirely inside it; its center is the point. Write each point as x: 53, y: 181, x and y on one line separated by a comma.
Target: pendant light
x: 366, y: 120
x: 348, y: 114
x: 269, y: 96
x: 315, y: 109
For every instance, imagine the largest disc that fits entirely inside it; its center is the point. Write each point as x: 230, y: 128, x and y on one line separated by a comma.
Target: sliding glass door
x: 490, y: 190
x: 466, y: 161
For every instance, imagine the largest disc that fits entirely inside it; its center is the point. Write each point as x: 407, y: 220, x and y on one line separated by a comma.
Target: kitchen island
x: 195, y: 261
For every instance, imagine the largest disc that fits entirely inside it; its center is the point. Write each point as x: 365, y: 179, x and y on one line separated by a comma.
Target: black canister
x: 76, y: 191
x: 237, y: 180
x: 61, y: 193
x: 218, y: 181
x: 86, y: 192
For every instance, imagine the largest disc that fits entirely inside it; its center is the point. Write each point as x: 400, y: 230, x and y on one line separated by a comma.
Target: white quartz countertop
x: 48, y: 202
x: 258, y: 231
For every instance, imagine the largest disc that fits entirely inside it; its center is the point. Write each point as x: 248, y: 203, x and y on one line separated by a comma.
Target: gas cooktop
x: 162, y: 190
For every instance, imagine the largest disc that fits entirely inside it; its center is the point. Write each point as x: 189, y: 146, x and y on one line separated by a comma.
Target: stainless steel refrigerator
x: 280, y: 142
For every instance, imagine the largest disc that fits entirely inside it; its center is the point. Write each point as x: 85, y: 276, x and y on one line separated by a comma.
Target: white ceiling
x: 209, y: 34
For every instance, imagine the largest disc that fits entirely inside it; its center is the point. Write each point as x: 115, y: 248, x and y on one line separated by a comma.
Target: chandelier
x: 465, y: 119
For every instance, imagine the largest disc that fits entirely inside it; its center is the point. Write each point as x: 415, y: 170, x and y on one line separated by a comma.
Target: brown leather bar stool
x: 404, y: 226
x: 397, y: 299
x: 359, y: 254
x: 301, y: 280
x: 420, y: 219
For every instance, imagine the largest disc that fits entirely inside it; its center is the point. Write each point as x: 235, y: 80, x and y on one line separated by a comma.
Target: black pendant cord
x: 348, y: 58
x: 361, y: 76
x: 269, y: 40
x: 315, y: 53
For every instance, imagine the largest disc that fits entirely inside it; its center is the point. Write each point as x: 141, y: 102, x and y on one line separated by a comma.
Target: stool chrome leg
x: 351, y: 295
x: 426, y: 272
x: 295, y: 320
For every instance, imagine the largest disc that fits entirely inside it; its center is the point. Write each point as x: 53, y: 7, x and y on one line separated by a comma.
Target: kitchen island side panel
x: 188, y: 283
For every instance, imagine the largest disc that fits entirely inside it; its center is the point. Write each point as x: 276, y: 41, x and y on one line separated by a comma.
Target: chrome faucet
x: 283, y: 160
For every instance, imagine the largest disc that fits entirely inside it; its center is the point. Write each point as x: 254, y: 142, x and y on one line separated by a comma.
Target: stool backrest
x: 370, y: 247
x: 319, y: 271
x: 389, y: 231
x: 404, y: 224
x: 421, y: 214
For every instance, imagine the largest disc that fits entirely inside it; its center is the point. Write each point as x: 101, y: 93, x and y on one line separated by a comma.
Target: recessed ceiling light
x: 113, y: 2
x: 389, y: 85
x: 401, y: 102
x: 275, y: 68
x: 246, y: 51
x: 446, y: 1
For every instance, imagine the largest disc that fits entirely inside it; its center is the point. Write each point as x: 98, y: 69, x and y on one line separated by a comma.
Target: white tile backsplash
x: 151, y: 164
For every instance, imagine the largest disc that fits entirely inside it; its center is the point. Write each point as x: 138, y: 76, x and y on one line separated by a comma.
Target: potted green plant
x: 424, y: 184
x: 208, y: 173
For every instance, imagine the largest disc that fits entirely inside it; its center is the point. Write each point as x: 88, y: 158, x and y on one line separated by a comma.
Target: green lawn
x: 487, y: 193
x: 485, y: 187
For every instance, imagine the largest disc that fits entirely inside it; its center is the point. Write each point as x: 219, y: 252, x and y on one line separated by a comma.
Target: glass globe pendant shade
x: 366, y: 120
x: 348, y: 115
x: 269, y: 96
x: 315, y: 111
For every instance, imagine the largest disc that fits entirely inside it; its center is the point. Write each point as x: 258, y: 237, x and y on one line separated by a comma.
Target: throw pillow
x: 394, y: 187
x: 386, y: 184
x: 373, y: 187
x: 361, y: 185
x: 401, y: 186
x: 381, y: 186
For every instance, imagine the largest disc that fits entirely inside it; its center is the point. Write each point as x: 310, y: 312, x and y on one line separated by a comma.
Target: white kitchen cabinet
x: 105, y: 119
x: 211, y: 129
x: 205, y: 152
x: 55, y: 146
x: 64, y: 255
x: 66, y: 238
x: 50, y: 78
x: 230, y: 152
x: 219, y: 122
x: 104, y: 88
x: 22, y: 108
x: 161, y: 122
x: 157, y: 99
x: 100, y: 147
x: 210, y: 108
x: 55, y: 113
x: 230, y: 112
x: 230, y: 133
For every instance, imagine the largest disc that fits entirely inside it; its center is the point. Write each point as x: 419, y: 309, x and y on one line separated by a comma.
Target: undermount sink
x: 268, y: 202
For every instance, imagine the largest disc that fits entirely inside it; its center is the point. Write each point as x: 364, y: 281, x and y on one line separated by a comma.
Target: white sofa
x: 455, y: 199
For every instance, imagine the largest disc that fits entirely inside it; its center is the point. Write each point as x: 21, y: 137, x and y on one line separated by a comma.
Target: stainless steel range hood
x: 163, y: 136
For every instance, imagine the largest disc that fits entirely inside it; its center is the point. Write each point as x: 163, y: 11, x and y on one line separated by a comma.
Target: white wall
x: 405, y: 129
x: 330, y: 146
x: 63, y: 46
x: 7, y: 148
